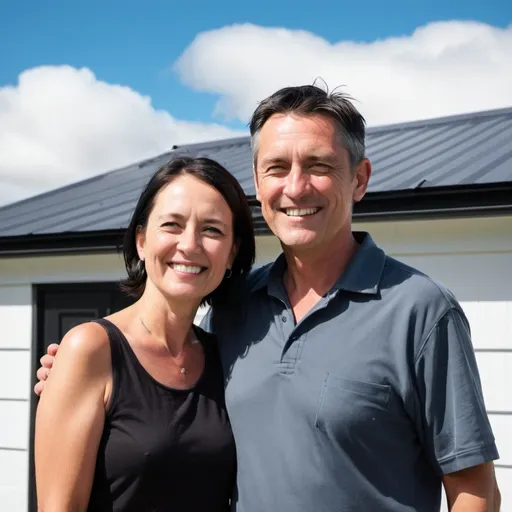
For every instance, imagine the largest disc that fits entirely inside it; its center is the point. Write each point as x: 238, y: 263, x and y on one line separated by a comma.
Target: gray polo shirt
x: 361, y: 406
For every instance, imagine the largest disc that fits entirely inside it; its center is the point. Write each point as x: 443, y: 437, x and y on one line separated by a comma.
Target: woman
x: 133, y: 416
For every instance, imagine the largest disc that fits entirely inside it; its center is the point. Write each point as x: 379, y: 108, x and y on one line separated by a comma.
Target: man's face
x: 305, y: 183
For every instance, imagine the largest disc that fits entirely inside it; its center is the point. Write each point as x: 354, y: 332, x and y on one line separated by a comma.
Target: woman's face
x: 188, y: 242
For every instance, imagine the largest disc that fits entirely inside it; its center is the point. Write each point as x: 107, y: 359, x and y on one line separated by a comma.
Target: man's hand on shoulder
x: 46, y: 365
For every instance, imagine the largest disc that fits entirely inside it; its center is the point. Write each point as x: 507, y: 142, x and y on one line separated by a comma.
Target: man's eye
x: 275, y: 169
x: 320, y: 166
x: 170, y: 225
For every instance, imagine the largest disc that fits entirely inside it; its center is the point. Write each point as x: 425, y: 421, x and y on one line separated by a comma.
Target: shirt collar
x: 362, y: 275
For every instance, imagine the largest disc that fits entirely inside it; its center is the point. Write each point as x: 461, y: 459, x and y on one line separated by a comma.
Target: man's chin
x: 299, y: 241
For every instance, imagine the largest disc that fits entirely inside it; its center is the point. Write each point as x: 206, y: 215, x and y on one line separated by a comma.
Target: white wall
x: 473, y: 257
x: 15, y: 342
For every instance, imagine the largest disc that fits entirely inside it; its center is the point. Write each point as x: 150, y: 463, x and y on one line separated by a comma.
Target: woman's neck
x: 166, y: 321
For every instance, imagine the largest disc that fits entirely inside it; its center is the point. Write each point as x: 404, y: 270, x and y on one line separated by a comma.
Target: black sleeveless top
x: 163, y: 449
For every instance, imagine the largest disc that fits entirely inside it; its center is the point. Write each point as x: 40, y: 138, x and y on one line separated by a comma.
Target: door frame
x: 38, y: 293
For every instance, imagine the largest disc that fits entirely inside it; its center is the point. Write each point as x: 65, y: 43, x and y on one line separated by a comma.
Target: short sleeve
x: 456, y: 432
x: 207, y: 321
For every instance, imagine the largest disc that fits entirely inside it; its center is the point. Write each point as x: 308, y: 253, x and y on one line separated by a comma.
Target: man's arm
x: 473, y: 489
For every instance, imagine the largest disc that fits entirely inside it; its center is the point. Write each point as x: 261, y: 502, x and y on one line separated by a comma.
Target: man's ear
x: 255, y: 178
x: 361, y: 177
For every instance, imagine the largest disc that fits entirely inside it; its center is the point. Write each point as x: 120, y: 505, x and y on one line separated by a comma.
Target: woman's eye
x: 170, y: 225
x: 214, y: 230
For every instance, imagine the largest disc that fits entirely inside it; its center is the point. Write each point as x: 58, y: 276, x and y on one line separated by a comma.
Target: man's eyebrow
x: 321, y: 157
x: 273, y: 160
x: 327, y: 157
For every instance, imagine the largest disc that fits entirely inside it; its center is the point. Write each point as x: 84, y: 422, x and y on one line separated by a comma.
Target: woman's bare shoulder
x: 88, y: 342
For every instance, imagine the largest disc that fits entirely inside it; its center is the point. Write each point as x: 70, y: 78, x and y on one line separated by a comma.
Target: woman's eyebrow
x: 213, y: 220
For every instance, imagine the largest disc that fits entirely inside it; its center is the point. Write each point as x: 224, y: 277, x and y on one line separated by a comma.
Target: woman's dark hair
x: 213, y: 174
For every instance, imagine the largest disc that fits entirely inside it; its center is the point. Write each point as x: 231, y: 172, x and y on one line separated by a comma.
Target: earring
x: 228, y: 273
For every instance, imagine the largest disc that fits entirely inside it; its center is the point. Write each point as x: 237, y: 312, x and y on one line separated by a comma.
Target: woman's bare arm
x: 70, y: 419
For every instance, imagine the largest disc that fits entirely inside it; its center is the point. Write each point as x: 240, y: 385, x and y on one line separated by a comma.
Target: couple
x: 349, y: 377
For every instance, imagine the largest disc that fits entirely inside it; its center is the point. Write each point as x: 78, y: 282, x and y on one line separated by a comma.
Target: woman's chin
x: 184, y: 293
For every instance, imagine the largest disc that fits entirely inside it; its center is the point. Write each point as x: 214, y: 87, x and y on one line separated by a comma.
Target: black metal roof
x: 418, y: 167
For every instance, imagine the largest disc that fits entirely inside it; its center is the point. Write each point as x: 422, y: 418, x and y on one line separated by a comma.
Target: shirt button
x: 283, y: 318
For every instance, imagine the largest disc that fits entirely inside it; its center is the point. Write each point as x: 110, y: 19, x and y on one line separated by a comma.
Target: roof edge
x: 212, y: 143
x: 438, y: 120
x: 91, y: 242
x: 425, y: 204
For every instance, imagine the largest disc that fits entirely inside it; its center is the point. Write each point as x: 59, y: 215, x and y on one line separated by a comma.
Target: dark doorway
x: 58, y: 308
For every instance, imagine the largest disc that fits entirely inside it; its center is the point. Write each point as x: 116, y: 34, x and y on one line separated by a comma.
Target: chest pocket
x: 350, y: 407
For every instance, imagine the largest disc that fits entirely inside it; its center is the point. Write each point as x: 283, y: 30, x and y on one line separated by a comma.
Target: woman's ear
x: 140, y: 239
x: 233, y: 253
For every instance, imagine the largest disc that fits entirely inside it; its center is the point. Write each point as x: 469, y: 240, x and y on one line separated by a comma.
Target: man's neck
x: 311, y: 274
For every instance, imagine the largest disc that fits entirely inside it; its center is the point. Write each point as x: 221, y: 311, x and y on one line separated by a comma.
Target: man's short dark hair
x: 307, y: 100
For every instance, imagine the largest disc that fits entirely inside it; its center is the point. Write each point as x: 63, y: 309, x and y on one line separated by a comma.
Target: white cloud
x: 60, y: 124
x: 442, y: 68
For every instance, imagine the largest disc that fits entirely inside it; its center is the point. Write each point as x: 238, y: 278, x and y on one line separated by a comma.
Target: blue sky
x: 90, y: 86
x: 135, y: 43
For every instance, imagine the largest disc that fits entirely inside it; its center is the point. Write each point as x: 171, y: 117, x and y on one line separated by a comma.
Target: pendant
x: 183, y: 371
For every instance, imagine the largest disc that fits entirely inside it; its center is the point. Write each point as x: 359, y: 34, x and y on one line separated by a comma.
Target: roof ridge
x: 212, y: 143
x: 439, y: 120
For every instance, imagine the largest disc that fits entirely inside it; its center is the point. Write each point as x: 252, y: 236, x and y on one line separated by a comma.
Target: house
x: 440, y: 199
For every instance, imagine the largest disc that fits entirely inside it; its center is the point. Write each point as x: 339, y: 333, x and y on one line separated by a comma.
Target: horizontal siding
x: 496, y: 374
x: 449, y: 236
x: 502, y: 428
x: 480, y: 277
x: 61, y: 269
x: 14, y: 432
x: 15, y: 375
x: 504, y: 477
x: 267, y: 250
x: 13, y: 481
x: 491, y: 324
x: 16, y: 317
x: 15, y: 362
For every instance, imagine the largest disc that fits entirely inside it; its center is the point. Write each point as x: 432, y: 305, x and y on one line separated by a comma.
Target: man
x: 351, y: 381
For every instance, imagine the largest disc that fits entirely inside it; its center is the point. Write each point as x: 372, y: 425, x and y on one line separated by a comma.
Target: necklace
x: 182, y: 369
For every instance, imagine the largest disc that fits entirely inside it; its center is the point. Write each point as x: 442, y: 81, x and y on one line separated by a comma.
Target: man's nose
x: 297, y: 183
